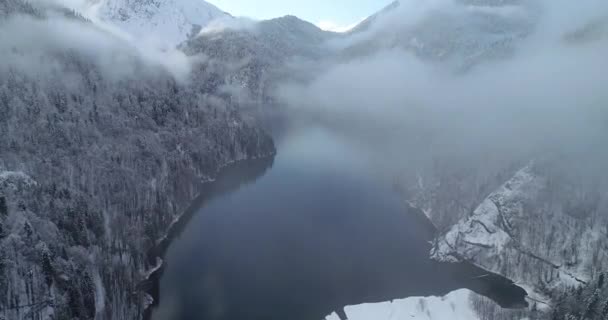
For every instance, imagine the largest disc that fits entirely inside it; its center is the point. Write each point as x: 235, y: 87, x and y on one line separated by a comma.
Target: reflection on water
x: 315, y: 233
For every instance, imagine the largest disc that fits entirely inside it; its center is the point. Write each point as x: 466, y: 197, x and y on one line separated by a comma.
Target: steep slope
x: 541, y: 228
x: 101, y: 152
x: 10, y: 7
x: 169, y: 21
x: 459, y: 35
x: 366, y: 24
x: 250, y: 60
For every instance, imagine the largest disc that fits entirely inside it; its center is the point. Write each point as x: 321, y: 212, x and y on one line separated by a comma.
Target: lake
x: 305, y: 234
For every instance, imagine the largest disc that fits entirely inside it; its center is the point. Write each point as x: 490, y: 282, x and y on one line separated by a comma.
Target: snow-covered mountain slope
x: 167, y: 21
x: 460, y: 34
x: 253, y: 58
x: 456, y: 306
x: 539, y: 228
x: 101, y: 151
x: 10, y: 7
x: 498, y: 209
x: 273, y: 40
x: 366, y: 24
x: 258, y: 55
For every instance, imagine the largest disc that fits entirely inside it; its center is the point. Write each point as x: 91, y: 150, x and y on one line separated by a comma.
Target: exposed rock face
x: 94, y: 166
x: 540, y: 228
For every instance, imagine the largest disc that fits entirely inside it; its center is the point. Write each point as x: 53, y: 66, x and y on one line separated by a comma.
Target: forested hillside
x: 101, y: 151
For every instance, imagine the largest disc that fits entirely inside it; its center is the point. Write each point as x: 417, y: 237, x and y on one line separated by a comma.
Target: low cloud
x: 31, y: 44
x: 228, y: 23
x: 549, y: 98
x: 329, y: 25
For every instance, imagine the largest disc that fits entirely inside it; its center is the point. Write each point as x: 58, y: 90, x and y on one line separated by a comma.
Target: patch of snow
x: 157, y: 266
x: 10, y: 179
x: 100, y: 301
x: 148, y: 301
x: 454, y: 306
x: 169, y: 21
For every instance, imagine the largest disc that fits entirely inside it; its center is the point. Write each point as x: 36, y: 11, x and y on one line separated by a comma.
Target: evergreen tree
x: 74, y: 301
x: 570, y: 316
x: 88, y: 296
x: 47, y: 267
x: 3, y: 277
x: 592, y: 303
x: 3, y: 207
x: 558, y: 310
x: 604, y: 314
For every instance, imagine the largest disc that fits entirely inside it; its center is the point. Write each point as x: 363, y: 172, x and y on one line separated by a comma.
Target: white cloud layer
x: 229, y: 23
x: 549, y: 97
x: 332, y: 26
x: 111, y: 47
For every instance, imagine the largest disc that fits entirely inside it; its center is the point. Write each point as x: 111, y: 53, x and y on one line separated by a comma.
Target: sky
x: 334, y: 15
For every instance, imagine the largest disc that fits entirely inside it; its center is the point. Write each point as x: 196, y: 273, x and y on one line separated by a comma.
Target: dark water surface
x: 315, y: 232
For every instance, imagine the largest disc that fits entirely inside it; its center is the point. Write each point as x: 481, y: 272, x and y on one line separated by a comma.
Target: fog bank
x: 546, y: 100
x: 31, y: 43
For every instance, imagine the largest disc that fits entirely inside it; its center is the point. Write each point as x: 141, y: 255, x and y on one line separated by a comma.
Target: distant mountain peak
x: 459, y: 33
x: 366, y: 24
x: 169, y: 21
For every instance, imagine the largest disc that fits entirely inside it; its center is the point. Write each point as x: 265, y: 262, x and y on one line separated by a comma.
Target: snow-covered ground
x: 454, y: 306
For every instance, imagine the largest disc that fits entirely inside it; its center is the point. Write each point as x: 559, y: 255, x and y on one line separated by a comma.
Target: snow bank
x: 454, y: 306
